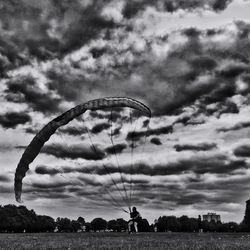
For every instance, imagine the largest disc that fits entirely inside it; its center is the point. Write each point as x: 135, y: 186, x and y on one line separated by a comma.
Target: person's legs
x: 129, y: 225
x: 136, y: 228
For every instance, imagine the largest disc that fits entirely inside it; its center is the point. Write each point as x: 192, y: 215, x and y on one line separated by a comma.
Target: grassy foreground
x: 142, y: 241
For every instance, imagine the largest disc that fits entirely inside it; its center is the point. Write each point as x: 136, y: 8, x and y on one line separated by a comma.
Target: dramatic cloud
x: 73, y: 130
x: 4, y: 178
x: 12, y: 119
x: 132, y: 8
x: 156, y: 141
x: 236, y: 127
x: 31, y: 130
x: 110, y: 114
x: 50, y: 29
x: 116, y: 149
x: 187, y: 60
x: 198, y: 147
x: 26, y: 89
x: 42, y: 169
x: 243, y: 151
x: 188, y: 70
x: 74, y: 151
x: 136, y: 135
x: 214, y: 164
x: 54, y: 185
x: 100, y: 127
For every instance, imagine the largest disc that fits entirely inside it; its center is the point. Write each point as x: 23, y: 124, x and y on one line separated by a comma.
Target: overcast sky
x: 189, y: 61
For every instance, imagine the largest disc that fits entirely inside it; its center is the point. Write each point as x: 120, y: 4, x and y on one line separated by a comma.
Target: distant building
x: 211, y: 217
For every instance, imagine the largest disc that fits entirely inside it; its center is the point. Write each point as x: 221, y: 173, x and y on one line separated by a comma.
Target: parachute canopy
x: 48, y: 130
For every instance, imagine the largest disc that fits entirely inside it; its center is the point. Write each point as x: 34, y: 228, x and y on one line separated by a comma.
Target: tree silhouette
x: 143, y: 226
x: 63, y: 224
x: 98, y: 224
x: 113, y: 225
x: 246, y: 220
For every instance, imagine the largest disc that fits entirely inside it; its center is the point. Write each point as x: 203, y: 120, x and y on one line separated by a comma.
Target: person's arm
x: 137, y: 216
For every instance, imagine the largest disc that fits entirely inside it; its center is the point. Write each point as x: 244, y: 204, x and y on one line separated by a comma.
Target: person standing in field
x: 200, y: 224
x: 135, y: 218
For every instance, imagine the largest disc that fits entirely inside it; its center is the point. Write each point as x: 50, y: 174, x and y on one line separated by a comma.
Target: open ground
x: 141, y: 241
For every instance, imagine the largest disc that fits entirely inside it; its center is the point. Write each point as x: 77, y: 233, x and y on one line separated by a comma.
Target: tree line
x: 20, y: 219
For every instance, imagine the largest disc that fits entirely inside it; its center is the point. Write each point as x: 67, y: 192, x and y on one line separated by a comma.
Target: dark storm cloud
x: 203, y: 63
x: 110, y: 114
x: 87, y: 25
x: 90, y: 181
x: 188, y: 199
x: 56, y: 28
x: 5, y: 147
x: 27, y: 90
x: 227, y: 190
x: 74, y: 151
x: 199, y: 165
x: 10, y: 56
x: 197, y: 147
x: 4, y: 178
x: 229, y: 184
x: 116, y: 149
x: 132, y: 8
x: 144, y: 192
x: 4, y: 65
x: 191, y: 32
x: 51, y: 28
x: 190, y: 72
x: 67, y: 85
x: 31, y: 130
x: 184, y: 120
x: 49, y: 196
x: 78, y: 190
x: 6, y: 190
x: 233, y: 70
x: 116, y: 131
x: 243, y: 151
x: 57, y: 186
x: 217, y: 164
x: 50, y: 170
x: 214, y: 164
x: 191, y: 119
x: 218, y: 108
x: 75, y: 131
x: 158, y: 195
x: 236, y: 127
x: 12, y: 119
x: 100, y: 127
x: 194, y: 60
x: 42, y: 170
x: 228, y: 108
x: 96, y: 114
x: 136, y: 135
x: 156, y: 141
x: 246, y: 79
x: 97, y: 52
x: 50, y: 190
x: 219, y: 5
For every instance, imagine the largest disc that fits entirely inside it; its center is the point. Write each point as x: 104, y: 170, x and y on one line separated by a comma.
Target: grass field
x: 108, y: 241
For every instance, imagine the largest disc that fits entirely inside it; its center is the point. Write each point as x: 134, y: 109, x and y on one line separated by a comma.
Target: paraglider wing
x: 41, y: 137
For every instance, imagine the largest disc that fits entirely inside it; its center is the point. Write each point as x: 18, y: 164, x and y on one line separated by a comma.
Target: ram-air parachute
x: 34, y: 148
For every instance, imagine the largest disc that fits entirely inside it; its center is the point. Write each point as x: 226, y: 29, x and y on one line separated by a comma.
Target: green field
x: 108, y: 241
